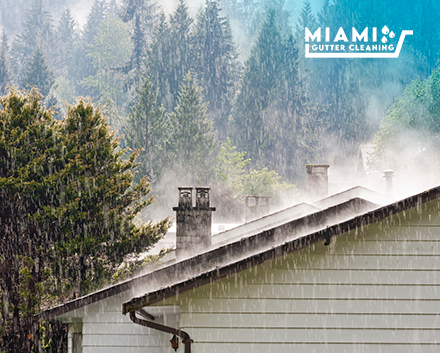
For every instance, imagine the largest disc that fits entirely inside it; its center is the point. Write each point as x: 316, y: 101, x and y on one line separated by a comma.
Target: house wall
x: 74, y: 338
x: 105, y: 330
x: 374, y: 289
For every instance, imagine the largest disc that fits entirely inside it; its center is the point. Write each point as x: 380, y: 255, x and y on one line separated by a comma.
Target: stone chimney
x: 317, y: 180
x: 256, y: 206
x: 193, y: 223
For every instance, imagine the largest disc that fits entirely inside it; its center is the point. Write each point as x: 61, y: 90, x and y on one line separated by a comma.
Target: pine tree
x: 160, y: 65
x: 138, y: 40
x: 192, y: 137
x: 37, y: 31
x: 248, y: 16
x: 5, y: 69
x: 323, y: 17
x: 110, y: 49
x: 147, y: 130
x: 143, y: 17
x: 272, y: 118
x: 67, y: 47
x: 38, y: 73
x: 215, y: 63
x: 258, y: 81
x: 12, y: 14
x: 97, y: 14
x: 306, y: 19
x: 339, y: 83
x: 181, y: 48
x: 143, y: 11
x: 171, y: 54
x: 231, y: 165
x: 66, y: 210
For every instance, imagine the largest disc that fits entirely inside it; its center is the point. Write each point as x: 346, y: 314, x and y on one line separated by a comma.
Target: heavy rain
x: 219, y: 176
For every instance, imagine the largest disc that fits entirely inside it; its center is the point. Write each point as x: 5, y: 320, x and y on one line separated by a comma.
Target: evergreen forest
x: 110, y: 106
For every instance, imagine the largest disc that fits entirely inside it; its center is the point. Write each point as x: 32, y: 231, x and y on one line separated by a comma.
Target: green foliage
x: 27, y: 136
x: 67, y: 49
x: 193, y: 137
x: 208, y: 50
x: 231, y: 165
x: 179, y: 148
x: 142, y: 15
x: 353, y: 91
x: 132, y: 267
x: 233, y: 182
x: 306, y: 19
x: 247, y: 17
x: 216, y: 63
x: 160, y: 64
x: 171, y: 54
x: 66, y: 209
x: 266, y: 182
x: 148, y: 130
x: 111, y: 46
x: 54, y: 337
x: 36, y: 32
x: 63, y: 91
x: 5, y: 69
x: 182, y: 54
x: 228, y: 182
x: 272, y: 117
x: 411, y: 127
x: 97, y: 14
x: 38, y: 73
x: 110, y: 49
x: 424, y: 20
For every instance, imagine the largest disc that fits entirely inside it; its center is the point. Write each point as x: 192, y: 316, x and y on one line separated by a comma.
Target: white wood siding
x: 375, y: 289
x: 105, y: 329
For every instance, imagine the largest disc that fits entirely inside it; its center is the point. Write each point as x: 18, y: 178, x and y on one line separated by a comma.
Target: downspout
x: 186, y: 339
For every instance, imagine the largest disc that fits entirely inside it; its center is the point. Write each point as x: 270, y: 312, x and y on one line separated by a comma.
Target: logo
x: 367, y: 44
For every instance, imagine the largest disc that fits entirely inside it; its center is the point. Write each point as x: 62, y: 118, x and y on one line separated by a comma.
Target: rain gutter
x: 186, y: 339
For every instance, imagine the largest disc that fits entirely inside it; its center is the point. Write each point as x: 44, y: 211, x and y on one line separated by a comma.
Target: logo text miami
x: 368, y: 44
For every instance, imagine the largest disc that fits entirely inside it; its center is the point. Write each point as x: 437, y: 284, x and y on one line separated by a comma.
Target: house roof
x: 293, y: 244
x: 251, y: 249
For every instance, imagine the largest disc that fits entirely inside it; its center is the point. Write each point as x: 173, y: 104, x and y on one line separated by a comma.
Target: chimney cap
x: 310, y: 168
x: 388, y: 172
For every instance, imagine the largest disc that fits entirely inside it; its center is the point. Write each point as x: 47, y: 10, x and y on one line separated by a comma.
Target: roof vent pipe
x: 317, y: 180
x: 388, y: 175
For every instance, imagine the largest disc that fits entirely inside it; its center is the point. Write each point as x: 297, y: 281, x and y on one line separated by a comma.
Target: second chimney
x: 256, y: 206
x: 317, y: 180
